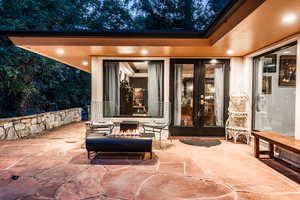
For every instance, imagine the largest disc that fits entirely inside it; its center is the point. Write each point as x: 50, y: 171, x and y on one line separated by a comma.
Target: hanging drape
x: 155, y: 84
x: 262, y: 121
x: 177, y: 94
x: 219, y: 96
x: 112, y: 89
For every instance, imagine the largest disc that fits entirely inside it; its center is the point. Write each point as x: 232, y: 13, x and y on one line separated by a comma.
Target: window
x: 133, y: 88
x: 275, y: 91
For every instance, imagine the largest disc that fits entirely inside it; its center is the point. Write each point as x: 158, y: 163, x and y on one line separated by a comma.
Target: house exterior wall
x: 297, y: 113
x: 236, y: 80
x: 241, y: 80
x: 238, y: 84
x: 97, y: 88
x: 241, y: 76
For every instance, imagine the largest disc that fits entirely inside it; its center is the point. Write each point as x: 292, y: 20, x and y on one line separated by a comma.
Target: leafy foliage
x: 31, y: 83
x: 110, y: 15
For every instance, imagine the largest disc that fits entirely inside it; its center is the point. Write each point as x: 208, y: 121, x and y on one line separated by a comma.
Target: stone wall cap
x: 11, y: 119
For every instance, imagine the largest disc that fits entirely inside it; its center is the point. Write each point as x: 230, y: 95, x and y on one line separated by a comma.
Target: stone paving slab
x: 55, y: 167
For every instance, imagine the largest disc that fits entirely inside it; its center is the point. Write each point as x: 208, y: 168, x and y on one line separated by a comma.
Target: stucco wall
x: 27, y: 126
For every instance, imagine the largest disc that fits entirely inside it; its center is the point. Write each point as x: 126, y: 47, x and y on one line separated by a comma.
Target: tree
x: 31, y: 83
x: 108, y: 15
x: 175, y: 15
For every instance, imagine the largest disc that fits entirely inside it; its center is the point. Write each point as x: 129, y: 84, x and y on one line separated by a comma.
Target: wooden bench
x: 281, y: 141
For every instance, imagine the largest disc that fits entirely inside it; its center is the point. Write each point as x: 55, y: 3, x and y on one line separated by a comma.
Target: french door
x: 199, y: 94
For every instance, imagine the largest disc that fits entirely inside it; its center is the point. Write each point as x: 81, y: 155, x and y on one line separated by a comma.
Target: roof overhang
x: 254, y: 25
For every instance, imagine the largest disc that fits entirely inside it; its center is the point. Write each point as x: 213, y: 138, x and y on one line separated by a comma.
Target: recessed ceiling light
x: 60, y: 51
x: 144, y: 51
x: 289, y: 18
x: 230, y: 51
x: 85, y: 63
x: 125, y: 50
x: 213, y: 61
x: 286, y: 52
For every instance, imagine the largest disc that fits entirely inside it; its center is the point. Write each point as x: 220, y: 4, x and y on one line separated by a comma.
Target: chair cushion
x: 102, y: 143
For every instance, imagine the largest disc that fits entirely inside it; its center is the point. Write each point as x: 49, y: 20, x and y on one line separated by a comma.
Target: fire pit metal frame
x: 129, y: 125
x: 97, y: 143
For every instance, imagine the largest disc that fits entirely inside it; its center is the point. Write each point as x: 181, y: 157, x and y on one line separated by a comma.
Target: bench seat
x: 100, y: 143
x: 282, y: 141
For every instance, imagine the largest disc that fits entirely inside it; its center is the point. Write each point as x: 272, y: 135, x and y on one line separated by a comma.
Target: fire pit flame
x: 129, y: 132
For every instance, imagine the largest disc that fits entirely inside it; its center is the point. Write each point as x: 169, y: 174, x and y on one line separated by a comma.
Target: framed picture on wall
x: 287, y: 71
x: 270, y: 63
x: 267, y: 85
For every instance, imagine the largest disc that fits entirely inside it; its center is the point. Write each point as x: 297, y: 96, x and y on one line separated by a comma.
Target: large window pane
x: 275, y: 91
x: 133, y: 89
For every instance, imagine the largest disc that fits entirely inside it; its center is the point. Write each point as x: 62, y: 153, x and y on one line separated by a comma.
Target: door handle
x: 201, y: 99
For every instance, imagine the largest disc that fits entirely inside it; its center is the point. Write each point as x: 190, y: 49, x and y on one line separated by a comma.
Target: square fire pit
x: 129, y: 125
x: 128, y: 141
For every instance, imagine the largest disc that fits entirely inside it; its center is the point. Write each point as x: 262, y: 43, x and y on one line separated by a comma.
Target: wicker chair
x: 237, y: 122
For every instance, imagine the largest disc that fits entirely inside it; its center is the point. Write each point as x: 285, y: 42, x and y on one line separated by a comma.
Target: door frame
x: 197, y: 130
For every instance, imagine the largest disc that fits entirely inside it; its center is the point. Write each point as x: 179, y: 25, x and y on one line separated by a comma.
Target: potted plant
x: 126, y: 98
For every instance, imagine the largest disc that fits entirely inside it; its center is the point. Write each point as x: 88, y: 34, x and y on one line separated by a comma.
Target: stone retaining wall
x: 27, y: 126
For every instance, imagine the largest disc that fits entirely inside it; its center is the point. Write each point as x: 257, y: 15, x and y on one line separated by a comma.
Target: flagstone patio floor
x: 55, y: 166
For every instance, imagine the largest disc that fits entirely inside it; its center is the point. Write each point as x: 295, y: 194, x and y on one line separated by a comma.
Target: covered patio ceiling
x: 254, y: 25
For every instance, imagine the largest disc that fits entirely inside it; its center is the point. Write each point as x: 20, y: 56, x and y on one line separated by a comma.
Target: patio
x: 55, y: 166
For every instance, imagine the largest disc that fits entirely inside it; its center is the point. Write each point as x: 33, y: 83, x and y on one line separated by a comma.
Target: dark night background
x: 30, y: 83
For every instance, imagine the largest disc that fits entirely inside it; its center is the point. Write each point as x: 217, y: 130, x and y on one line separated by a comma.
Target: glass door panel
x: 184, y: 94
x: 212, y: 101
x: 199, y: 96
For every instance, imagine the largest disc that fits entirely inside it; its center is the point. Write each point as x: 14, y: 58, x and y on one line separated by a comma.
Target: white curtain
x: 155, y: 101
x: 219, y: 96
x: 262, y: 121
x: 177, y: 94
x: 112, y: 89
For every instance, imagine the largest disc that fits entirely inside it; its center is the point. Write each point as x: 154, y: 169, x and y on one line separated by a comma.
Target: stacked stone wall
x: 28, y: 126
